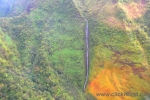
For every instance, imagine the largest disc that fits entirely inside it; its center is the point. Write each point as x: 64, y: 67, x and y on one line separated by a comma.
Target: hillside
x: 42, y: 53
x: 42, y: 49
x: 119, y: 47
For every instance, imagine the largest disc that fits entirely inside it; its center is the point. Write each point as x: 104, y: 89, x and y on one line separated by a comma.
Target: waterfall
x: 87, y: 52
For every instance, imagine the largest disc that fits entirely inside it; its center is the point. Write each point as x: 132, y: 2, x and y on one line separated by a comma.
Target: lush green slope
x: 43, y: 53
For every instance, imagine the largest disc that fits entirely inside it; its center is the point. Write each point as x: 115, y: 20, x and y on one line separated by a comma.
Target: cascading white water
x: 87, y: 52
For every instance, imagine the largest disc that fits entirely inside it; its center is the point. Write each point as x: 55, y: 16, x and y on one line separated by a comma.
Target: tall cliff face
x: 119, y: 47
x: 42, y: 50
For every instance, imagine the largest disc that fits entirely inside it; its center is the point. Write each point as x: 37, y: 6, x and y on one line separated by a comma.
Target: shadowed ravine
x: 86, y: 53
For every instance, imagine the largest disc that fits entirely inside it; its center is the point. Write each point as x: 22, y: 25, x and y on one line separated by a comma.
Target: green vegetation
x: 121, y: 14
x: 113, y: 45
x: 42, y: 49
x: 43, y: 54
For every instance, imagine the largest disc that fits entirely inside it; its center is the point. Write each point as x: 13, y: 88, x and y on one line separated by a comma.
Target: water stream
x: 87, y: 52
